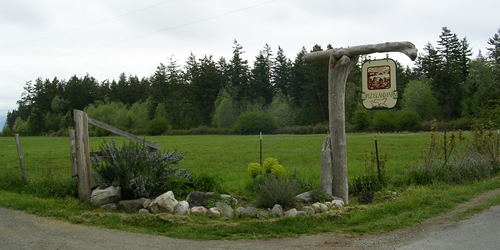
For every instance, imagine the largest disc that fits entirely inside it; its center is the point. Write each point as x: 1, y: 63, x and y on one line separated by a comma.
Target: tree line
x: 444, y: 84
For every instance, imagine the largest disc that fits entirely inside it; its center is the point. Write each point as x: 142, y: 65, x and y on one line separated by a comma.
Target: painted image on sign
x: 378, y: 77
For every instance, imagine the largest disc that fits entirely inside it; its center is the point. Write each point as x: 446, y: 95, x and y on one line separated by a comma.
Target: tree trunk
x: 337, y: 78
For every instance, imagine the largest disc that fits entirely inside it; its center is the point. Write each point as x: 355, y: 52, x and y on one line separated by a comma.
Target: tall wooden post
x: 21, y: 158
x: 341, y: 62
x: 82, y: 154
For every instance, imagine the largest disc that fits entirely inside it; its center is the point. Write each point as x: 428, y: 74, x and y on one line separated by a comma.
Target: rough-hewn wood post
x: 337, y: 76
x: 72, y: 151
x: 326, y: 166
x: 341, y: 62
x: 21, y: 158
x: 82, y: 154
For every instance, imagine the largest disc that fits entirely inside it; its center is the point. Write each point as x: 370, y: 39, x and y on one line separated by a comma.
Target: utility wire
x: 151, y: 33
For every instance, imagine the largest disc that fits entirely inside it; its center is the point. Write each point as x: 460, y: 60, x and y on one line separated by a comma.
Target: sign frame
x: 379, y: 86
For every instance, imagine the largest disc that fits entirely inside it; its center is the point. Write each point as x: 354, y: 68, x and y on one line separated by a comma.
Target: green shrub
x: 361, y: 120
x: 277, y: 170
x: 216, y: 197
x: 383, y: 121
x: 272, y: 166
x: 207, y: 182
x: 317, y: 195
x: 321, y: 129
x: 157, y: 126
x: 254, y: 169
x: 295, y: 130
x: 140, y: 172
x: 407, y: 120
x: 276, y: 191
x: 269, y: 163
x: 254, y: 123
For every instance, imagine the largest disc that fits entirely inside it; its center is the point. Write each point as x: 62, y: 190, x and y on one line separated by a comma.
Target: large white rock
x: 182, y: 208
x: 338, y: 203
x: 291, y: 213
x: 213, y: 213
x: 198, y: 210
x: 238, y: 211
x: 309, y: 210
x: 226, y: 211
x: 100, y: 196
x: 304, y: 197
x: 163, y: 203
x: 277, y: 211
x: 316, y: 208
x: 323, y: 207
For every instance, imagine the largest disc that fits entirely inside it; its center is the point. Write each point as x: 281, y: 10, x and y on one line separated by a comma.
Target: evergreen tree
x: 238, y: 74
x: 282, y: 72
x: 260, y: 80
x: 204, y: 89
x: 494, y: 54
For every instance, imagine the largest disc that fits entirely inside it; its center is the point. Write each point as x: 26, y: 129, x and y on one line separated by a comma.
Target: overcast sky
x: 48, y: 38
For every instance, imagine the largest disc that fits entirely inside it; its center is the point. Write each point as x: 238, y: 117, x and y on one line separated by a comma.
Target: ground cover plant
x: 228, y: 158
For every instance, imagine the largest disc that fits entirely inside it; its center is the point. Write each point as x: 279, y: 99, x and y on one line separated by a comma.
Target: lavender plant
x: 139, y: 171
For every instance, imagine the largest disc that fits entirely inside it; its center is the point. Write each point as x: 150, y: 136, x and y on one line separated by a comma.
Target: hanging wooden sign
x: 379, y: 84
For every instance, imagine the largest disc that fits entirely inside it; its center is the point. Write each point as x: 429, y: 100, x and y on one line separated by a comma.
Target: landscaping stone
x: 182, y: 208
x: 197, y: 199
x: 316, y: 208
x: 143, y: 211
x: 301, y: 213
x: 308, y: 210
x: 238, y: 211
x: 263, y: 214
x: 329, y: 204
x: 198, y: 210
x: 304, y: 197
x: 291, y: 213
x: 323, y: 208
x: 213, y: 213
x: 338, y: 203
x: 100, y: 196
x: 163, y: 203
x: 277, y: 211
x: 109, y: 206
x: 146, y: 203
x: 131, y: 206
x: 226, y: 211
x: 249, y: 212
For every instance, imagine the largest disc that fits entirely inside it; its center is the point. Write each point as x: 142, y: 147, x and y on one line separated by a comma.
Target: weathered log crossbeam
x: 406, y: 48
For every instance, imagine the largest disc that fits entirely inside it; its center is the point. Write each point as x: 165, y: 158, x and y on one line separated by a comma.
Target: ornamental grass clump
x: 138, y: 170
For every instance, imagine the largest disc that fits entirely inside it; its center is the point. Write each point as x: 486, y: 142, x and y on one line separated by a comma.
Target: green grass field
x: 47, y: 159
x: 227, y: 156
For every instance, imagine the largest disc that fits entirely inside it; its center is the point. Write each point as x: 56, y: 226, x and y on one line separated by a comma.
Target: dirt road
x: 19, y: 230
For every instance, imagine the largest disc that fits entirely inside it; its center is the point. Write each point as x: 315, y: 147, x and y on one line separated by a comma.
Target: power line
x: 151, y: 33
x: 81, y: 27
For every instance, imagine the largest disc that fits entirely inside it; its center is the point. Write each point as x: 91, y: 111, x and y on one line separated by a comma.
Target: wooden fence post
x: 82, y: 154
x: 72, y: 149
x: 21, y: 159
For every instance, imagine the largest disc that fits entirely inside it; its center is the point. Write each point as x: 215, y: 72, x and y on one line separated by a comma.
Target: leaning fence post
x: 72, y: 149
x: 21, y: 159
x: 82, y: 154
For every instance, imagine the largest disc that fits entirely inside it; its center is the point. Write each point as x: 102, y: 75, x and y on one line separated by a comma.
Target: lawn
x: 225, y: 155
x: 47, y: 158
